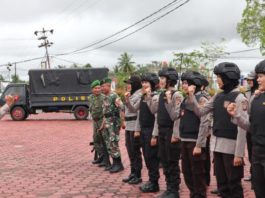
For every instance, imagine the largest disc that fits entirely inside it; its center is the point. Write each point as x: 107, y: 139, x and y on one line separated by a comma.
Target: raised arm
x: 173, y: 105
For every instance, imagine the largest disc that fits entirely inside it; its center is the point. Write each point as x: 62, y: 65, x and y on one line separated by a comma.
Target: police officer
x: 256, y: 125
x: 193, y: 133
x: 253, y: 86
x: 228, y: 139
x: 112, y: 107
x: 9, y: 102
x: 166, y: 105
x: 132, y: 96
x: 144, y: 128
x: 95, y: 101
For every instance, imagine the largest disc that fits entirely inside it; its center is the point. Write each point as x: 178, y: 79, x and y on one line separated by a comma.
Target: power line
x: 241, y: 51
x: 241, y: 57
x: 23, y: 61
x: 28, y: 60
x: 137, y: 30
x: 124, y: 29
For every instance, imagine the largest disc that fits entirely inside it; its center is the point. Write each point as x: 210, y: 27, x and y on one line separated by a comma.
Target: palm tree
x: 125, y: 64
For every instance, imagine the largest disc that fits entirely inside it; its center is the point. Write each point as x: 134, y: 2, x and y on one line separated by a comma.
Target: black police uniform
x: 169, y: 153
x: 147, y: 120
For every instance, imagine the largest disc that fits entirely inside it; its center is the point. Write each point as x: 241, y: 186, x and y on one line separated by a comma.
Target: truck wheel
x: 18, y: 113
x: 81, y: 113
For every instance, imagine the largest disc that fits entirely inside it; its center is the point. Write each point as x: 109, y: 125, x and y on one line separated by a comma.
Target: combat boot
x: 171, y: 195
x: 108, y: 167
x: 127, y: 179
x: 98, y: 160
x: 149, y: 187
x: 105, y: 162
x: 136, y: 179
x: 117, y: 165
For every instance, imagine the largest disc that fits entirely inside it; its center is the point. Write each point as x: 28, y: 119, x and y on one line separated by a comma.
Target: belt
x: 108, y: 115
x: 131, y: 118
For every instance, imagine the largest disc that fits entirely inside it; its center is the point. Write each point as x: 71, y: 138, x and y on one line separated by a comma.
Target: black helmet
x: 150, y: 77
x: 204, y: 81
x: 193, y: 77
x: 169, y: 73
x: 260, y: 67
x: 230, y: 70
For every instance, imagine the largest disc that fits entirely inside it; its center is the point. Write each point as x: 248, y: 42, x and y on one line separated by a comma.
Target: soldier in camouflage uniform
x: 95, y: 107
x: 112, y: 106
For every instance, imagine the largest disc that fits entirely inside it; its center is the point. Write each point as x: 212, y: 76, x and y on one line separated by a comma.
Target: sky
x: 79, y: 23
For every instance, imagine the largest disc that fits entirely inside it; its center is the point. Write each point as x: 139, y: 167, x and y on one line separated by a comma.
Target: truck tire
x: 81, y: 113
x: 18, y: 113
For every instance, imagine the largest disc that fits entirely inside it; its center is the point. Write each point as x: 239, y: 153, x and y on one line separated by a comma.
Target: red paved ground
x: 48, y: 156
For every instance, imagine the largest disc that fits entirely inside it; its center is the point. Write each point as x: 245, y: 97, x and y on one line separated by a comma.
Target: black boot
x: 105, y: 162
x: 149, y: 187
x: 127, y: 179
x: 117, y: 165
x: 136, y: 179
x: 98, y: 160
x: 171, y: 195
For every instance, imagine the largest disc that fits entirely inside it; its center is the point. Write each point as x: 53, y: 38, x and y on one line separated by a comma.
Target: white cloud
x: 78, y: 23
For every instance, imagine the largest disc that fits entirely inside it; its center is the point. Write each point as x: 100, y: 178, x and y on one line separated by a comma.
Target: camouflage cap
x: 105, y: 80
x: 95, y: 83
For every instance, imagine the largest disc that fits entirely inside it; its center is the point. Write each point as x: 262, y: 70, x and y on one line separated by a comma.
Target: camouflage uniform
x: 96, y: 110
x: 112, y: 125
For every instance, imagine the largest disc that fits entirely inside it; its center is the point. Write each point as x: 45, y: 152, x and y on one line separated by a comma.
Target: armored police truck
x: 54, y: 90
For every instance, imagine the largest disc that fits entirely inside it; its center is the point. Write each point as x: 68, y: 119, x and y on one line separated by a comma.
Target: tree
x: 188, y: 61
x: 60, y: 67
x: 252, y: 25
x: 125, y: 64
x: 88, y: 65
x: 2, y: 77
x: 16, y: 79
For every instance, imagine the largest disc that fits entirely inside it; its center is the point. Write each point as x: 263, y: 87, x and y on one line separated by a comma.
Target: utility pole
x: 45, y: 44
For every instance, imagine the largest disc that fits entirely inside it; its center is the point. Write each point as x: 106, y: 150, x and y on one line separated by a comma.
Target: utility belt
x: 108, y: 115
x: 131, y: 118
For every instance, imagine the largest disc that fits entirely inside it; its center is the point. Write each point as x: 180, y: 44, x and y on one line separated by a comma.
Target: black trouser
x: 169, y: 155
x: 150, y: 154
x: 207, y: 162
x: 249, y: 146
x: 228, y: 176
x: 193, y: 169
x: 133, y: 147
x: 258, y: 171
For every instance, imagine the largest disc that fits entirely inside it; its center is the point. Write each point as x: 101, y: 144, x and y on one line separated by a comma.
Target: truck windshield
x: 15, y: 90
